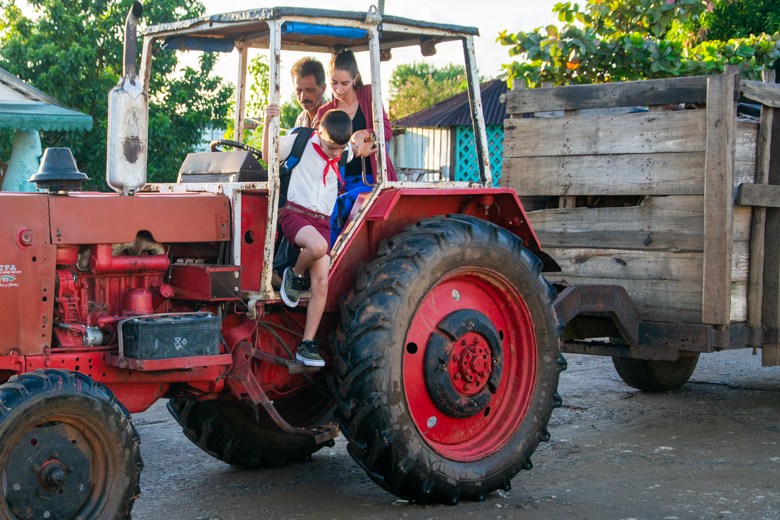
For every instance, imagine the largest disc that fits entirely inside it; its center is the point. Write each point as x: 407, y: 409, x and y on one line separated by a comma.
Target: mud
x: 709, y: 450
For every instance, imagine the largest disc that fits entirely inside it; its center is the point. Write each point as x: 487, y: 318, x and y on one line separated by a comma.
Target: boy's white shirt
x: 306, y: 187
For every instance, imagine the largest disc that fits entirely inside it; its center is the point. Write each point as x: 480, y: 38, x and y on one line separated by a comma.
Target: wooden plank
x: 676, y: 213
x: 672, y: 213
x: 762, y: 195
x: 628, y: 240
x: 665, y: 300
x: 624, y: 174
x: 623, y: 94
x: 642, y: 265
x: 683, y: 131
x: 770, y: 305
x: 758, y: 222
x: 746, y: 137
x: 627, y: 264
x: 718, y: 199
x: 768, y: 94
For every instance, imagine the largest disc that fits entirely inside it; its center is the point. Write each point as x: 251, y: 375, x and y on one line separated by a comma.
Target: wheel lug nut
x: 467, y: 387
x: 456, y: 358
x: 477, y: 340
x: 464, y: 342
x: 457, y: 376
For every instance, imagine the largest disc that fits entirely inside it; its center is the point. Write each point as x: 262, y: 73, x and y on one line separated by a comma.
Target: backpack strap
x: 302, y: 136
x: 343, y: 164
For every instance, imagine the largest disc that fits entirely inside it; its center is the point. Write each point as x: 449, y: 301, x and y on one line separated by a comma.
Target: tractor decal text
x: 9, y: 275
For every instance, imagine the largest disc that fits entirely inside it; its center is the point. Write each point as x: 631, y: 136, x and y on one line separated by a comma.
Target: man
x: 308, y: 77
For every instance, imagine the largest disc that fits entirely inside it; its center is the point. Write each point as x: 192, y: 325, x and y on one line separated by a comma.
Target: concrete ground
x: 709, y: 450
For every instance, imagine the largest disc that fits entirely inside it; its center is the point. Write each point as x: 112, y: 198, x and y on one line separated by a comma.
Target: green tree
x: 72, y: 50
x: 419, y: 85
x: 736, y: 19
x: 618, y: 40
x: 290, y: 110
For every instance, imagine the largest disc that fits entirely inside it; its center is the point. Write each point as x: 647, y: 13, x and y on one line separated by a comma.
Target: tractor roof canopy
x: 303, y: 30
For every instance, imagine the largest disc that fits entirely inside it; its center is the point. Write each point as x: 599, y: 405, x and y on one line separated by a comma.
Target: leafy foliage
x: 622, y: 40
x: 72, y: 50
x: 419, y: 85
x: 736, y: 19
x: 258, y: 72
x: 290, y: 110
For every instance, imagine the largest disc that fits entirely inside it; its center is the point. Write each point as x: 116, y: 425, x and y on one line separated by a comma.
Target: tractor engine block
x: 96, y: 289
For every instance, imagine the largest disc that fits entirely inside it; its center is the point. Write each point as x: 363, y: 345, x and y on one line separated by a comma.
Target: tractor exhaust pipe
x: 131, y: 41
x: 128, y: 119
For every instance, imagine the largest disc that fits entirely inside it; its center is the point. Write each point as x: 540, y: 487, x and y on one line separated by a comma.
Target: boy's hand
x: 363, y: 143
x: 272, y: 110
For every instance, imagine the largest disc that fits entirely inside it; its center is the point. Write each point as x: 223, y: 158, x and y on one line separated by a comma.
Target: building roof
x: 455, y: 111
x: 23, y: 107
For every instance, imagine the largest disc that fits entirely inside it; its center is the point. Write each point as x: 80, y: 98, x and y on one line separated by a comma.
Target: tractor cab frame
x: 317, y: 31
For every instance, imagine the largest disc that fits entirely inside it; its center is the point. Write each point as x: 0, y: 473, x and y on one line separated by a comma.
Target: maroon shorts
x: 292, y: 222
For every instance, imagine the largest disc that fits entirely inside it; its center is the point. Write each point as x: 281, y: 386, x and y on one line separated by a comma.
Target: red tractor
x: 439, y: 333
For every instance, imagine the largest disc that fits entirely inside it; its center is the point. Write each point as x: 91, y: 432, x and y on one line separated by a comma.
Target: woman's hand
x: 272, y: 110
x: 363, y: 143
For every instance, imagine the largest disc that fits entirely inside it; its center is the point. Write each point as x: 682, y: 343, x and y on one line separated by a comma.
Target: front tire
x: 67, y: 449
x: 656, y: 376
x: 447, y: 361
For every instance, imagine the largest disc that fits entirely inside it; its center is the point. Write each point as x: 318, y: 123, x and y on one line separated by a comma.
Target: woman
x: 354, y: 98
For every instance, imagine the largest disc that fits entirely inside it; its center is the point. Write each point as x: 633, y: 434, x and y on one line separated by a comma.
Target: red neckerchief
x: 334, y: 163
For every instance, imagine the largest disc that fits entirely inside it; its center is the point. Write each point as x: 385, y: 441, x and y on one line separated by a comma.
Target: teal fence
x: 466, y: 168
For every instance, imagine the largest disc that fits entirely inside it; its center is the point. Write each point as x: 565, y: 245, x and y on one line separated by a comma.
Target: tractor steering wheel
x: 234, y: 144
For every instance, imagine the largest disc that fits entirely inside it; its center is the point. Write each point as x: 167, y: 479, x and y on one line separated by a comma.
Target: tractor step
x: 325, y: 432
x: 292, y: 365
x: 243, y: 374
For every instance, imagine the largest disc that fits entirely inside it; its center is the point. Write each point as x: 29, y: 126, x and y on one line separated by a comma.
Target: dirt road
x: 710, y: 450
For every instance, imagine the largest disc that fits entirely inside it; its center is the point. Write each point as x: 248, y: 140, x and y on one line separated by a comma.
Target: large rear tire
x: 242, y: 435
x: 67, y: 449
x: 447, y: 361
x: 656, y: 376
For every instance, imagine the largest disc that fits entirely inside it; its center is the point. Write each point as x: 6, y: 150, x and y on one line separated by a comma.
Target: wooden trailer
x: 660, y: 190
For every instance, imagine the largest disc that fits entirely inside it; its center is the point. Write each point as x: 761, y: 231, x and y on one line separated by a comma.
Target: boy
x: 305, y: 221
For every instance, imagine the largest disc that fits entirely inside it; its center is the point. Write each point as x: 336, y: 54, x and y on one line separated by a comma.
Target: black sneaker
x: 292, y: 285
x: 308, y: 355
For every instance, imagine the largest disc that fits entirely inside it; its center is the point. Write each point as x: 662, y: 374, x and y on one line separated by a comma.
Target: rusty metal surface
x: 103, y: 218
x: 664, y: 341
x: 478, y: 121
x: 26, y: 274
x: 155, y: 365
x: 242, y: 373
x: 601, y: 348
x: 610, y: 299
x: 342, y: 18
x: 607, y: 311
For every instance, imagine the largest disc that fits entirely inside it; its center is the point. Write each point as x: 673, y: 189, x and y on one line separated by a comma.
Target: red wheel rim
x: 477, y: 437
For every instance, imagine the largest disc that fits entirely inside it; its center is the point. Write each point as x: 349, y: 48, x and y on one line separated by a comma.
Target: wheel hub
x: 53, y: 474
x: 461, y: 373
x: 48, y: 473
x: 471, y: 364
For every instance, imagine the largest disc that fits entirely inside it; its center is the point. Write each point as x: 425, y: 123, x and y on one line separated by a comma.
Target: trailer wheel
x: 655, y: 376
x: 447, y: 361
x: 67, y: 449
x: 241, y: 435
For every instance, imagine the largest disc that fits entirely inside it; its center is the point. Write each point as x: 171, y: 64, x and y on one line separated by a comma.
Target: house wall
x: 422, y: 148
